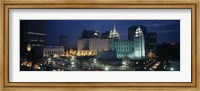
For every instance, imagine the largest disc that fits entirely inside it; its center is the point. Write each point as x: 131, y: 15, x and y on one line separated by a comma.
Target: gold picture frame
x: 141, y: 86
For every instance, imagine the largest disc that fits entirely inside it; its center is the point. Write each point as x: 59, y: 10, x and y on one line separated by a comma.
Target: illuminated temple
x: 91, y: 43
x: 133, y: 49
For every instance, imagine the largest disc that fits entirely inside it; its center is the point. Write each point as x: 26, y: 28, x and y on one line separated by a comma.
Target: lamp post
x: 95, y: 61
x: 106, y: 68
x: 28, y: 48
x: 72, y: 65
x: 49, y: 60
x: 125, y: 62
x: 171, y: 69
x: 124, y: 65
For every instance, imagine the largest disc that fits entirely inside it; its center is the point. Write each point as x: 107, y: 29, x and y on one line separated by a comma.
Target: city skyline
x: 99, y: 45
x: 168, y: 30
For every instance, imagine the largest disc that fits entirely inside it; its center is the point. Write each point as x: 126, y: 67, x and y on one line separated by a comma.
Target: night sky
x: 167, y: 30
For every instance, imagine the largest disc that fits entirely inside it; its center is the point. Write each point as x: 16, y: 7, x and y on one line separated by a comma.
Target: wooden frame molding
x: 154, y: 86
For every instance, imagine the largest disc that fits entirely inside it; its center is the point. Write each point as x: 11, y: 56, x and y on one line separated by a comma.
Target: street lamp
x: 28, y: 53
x: 72, y: 65
x: 106, y: 68
x: 95, y: 61
x: 124, y: 64
x: 28, y: 47
x: 171, y: 69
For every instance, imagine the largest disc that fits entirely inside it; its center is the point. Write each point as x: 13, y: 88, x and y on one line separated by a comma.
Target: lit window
x: 41, y: 40
x: 33, y: 40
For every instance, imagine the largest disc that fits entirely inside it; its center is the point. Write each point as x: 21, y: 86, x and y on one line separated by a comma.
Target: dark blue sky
x: 167, y: 30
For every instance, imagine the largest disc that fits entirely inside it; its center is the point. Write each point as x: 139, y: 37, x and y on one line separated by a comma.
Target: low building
x: 53, y: 51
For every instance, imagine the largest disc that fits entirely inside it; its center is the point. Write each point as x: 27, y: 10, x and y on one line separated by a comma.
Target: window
x: 41, y: 40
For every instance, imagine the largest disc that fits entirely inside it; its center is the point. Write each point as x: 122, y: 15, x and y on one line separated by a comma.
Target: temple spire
x: 114, y: 29
x: 114, y: 34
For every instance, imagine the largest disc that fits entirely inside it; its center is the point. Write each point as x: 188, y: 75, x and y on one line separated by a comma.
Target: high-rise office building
x: 90, y: 34
x: 64, y: 41
x: 32, y: 37
x: 152, y: 42
x: 82, y: 44
x: 91, y: 45
x: 105, y: 35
